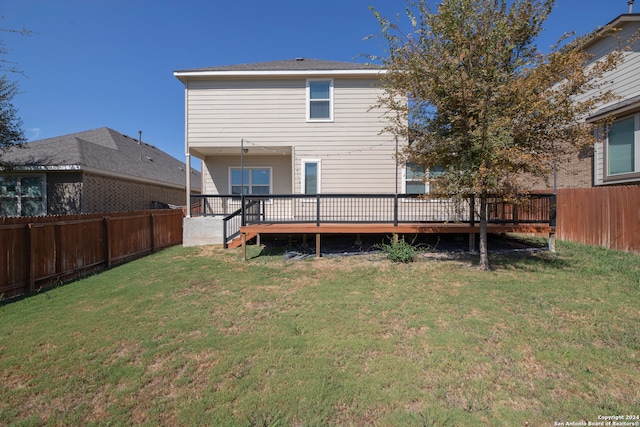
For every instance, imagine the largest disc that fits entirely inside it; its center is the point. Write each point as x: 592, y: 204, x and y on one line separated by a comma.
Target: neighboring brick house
x: 95, y: 171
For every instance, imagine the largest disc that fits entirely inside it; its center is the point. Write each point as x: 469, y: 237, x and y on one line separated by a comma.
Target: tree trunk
x: 484, y: 253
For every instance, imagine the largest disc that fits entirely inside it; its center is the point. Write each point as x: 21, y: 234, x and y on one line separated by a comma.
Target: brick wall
x: 64, y: 193
x: 575, y: 171
x: 108, y: 194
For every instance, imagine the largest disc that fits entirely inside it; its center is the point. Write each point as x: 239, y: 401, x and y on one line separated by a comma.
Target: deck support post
x: 244, y: 246
x: 472, y: 242
x: 552, y: 242
x: 318, y: 253
x: 395, y: 238
x: 304, y: 241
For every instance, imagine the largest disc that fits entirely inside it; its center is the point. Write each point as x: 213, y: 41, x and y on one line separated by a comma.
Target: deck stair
x: 237, y: 242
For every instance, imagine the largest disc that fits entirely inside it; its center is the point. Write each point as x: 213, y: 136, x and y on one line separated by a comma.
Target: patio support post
x: 244, y: 218
x: 318, y: 253
x: 395, y: 199
x: 244, y: 246
x: 188, y: 183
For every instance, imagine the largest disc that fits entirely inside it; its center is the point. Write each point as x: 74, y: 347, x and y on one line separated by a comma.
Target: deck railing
x: 368, y: 208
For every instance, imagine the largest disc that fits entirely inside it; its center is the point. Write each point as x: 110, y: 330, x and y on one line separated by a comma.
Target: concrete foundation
x: 202, y: 231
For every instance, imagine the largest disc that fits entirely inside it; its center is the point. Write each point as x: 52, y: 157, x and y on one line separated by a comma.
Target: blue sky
x: 95, y: 63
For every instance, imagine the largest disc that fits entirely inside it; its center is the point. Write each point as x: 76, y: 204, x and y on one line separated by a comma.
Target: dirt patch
x: 447, y: 246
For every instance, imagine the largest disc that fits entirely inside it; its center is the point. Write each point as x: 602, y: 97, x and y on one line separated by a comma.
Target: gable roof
x: 618, y: 22
x: 297, y: 66
x: 103, y: 151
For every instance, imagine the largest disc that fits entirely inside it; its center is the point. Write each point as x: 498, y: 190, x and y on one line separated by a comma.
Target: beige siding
x: 623, y: 80
x: 599, y: 163
x: 354, y: 156
x: 216, y: 172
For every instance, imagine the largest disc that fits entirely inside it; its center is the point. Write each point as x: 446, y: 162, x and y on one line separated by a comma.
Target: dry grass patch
x: 194, y: 336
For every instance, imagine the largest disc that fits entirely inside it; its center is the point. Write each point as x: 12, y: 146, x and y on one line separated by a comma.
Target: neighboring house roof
x: 621, y: 107
x: 297, y: 66
x: 103, y: 151
x: 617, y: 22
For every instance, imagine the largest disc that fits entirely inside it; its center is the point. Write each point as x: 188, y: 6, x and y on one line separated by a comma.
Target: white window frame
x: 309, y: 100
x: 303, y: 177
x: 427, y: 183
x: 248, y: 168
x: 635, y: 173
x: 404, y: 182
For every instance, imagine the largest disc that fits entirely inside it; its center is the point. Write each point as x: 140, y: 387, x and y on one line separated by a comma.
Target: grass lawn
x: 194, y: 336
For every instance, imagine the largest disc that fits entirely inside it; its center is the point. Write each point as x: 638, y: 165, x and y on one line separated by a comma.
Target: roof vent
x: 299, y: 59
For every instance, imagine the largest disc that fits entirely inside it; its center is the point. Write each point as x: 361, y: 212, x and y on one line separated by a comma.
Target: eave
x: 186, y: 75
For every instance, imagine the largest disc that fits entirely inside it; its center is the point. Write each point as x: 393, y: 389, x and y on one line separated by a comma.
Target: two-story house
x: 617, y: 155
x: 299, y: 126
x: 300, y: 145
x: 615, y: 158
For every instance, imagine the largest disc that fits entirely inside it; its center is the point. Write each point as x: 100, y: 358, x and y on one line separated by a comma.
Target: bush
x: 399, y: 251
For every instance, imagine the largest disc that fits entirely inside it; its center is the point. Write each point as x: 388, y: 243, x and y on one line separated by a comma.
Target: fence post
x: 58, y: 246
x: 107, y: 242
x: 153, y: 232
x: 31, y: 265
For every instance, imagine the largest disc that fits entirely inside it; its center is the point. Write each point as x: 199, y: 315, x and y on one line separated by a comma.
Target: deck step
x: 237, y: 242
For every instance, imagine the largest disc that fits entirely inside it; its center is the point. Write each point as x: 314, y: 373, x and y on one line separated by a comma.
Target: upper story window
x: 320, y: 100
x: 22, y: 195
x: 622, y: 149
x: 250, y: 181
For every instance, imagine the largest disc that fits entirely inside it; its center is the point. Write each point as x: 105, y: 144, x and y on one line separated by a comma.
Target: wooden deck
x: 249, y: 231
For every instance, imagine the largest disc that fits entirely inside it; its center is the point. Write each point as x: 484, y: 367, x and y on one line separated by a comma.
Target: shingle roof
x: 297, y: 64
x: 105, y: 151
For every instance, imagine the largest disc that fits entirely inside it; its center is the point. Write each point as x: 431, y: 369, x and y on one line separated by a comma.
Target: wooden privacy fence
x: 600, y: 216
x: 42, y: 251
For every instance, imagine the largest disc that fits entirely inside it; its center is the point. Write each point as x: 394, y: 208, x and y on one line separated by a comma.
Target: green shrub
x: 398, y: 251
